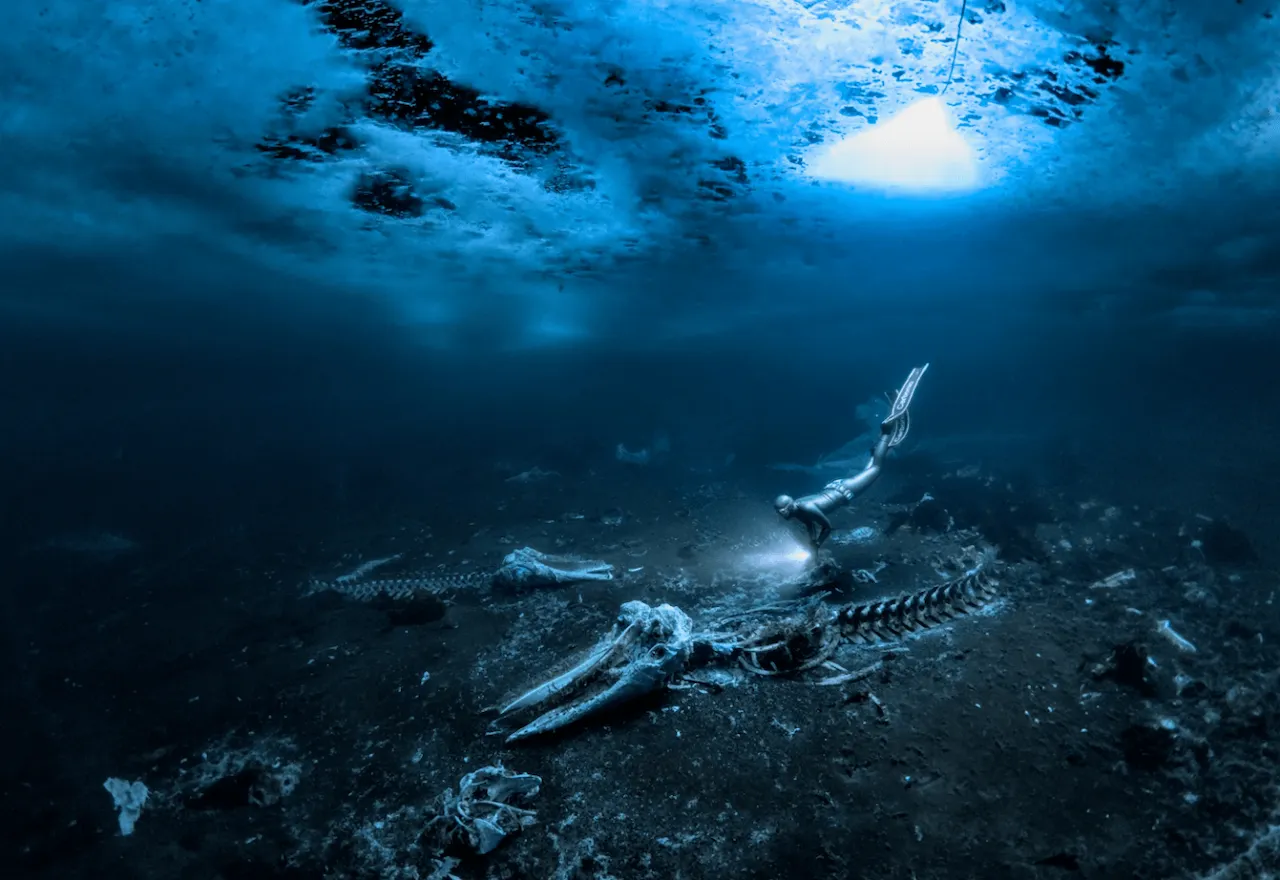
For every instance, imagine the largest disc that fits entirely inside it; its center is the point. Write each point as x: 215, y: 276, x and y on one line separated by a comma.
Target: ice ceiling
x: 578, y: 161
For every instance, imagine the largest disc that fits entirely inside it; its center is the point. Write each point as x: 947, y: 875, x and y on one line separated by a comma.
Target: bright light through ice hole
x: 798, y: 555
x: 916, y: 150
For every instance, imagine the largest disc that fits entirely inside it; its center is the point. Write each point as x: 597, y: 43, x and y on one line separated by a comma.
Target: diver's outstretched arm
x: 819, y: 529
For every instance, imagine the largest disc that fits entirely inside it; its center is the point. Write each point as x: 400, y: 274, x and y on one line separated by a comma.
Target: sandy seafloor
x: 284, y: 733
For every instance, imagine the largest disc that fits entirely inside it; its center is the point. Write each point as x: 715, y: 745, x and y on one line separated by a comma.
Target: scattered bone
x: 361, y: 571
x: 525, y: 567
x: 1114, y: 580
x: 647, y: 648
x: 860, y: 535
x: 485, y: 810
x: 528, y: 567
x: 442, y: 869
x: 1181, y: 643
x: 863, y: 576
x: 532, y: 475
x: 789, y: 730
x: 402, y: 587
x: 850, y: 677
x: 128, y: 798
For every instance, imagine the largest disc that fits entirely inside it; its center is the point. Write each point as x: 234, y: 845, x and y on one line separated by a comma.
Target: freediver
x: 813, y: 510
